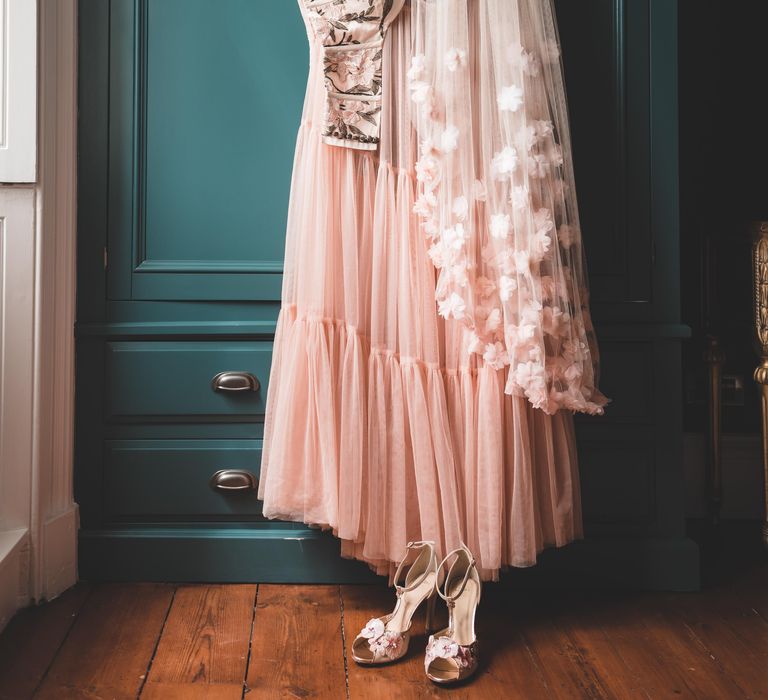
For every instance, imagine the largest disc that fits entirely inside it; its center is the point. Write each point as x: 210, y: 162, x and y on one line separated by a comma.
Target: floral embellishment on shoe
x: 373, y: 629
x: 386, y: 645
x: 465, y: 657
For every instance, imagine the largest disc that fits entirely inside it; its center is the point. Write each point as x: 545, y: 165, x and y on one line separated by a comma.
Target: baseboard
x: 637, y: 563
x: 216, y: 555
x: 309, y: 556
x: 13, y: 547
x: 60, y: 553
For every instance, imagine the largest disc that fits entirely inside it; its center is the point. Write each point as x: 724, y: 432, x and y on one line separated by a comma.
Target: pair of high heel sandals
x: 452, y: 653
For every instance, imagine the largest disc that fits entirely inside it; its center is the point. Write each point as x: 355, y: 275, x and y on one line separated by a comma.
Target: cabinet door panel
x: 205, y: 102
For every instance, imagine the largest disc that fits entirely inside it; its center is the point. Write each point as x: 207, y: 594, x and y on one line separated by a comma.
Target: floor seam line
x: 76, y: 616
x: 344, y: 643
x: 250, y: 643
x: 157, y: 643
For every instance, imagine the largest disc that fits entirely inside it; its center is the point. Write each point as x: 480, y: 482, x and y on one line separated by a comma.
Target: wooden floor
x: 185, y: 642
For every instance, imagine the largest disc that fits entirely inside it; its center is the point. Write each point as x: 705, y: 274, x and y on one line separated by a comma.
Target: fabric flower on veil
x: 497, y: 200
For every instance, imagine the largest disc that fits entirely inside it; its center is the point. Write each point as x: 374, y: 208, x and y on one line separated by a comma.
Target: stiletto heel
x: 452, y: 653
x: 385, y: 639
x: 429, y: 623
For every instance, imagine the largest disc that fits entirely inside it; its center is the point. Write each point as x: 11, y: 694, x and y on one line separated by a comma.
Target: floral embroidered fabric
x: 442, y: 647
x: 352, y: 34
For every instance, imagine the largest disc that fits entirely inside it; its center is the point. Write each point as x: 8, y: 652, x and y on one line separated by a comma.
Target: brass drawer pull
x: 229, y: 480
x: 235, y: 381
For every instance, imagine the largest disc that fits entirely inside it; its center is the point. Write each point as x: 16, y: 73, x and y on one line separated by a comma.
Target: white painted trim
x: 37, y: 314
x: 17, y: 253
x: 18, y: 98
x: 17, y: 247
x: 13, y: 549
x: 59, y: 563
x: 53, y: 524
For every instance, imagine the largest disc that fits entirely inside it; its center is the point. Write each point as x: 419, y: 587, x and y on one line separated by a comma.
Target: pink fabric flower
x: 373, y: 628
x: 455, y: 59
x: 510, y: 98
x: 449, y: 139
x: 495, y: 356
x: 426, y: 168
x: 507, y: 286
x: 453, y: 306
x: 387, y: 644
x: 461, y: 208
x: 425, y: 204
x: 447, y: 648
x: 538, y: 166
x: 500, y: 225
x: 505, y: 161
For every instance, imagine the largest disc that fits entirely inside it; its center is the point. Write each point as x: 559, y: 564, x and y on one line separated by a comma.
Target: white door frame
x: 38, y: 516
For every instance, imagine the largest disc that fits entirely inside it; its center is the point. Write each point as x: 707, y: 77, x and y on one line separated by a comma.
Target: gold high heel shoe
x: 385, y: 639
x: 452, y: 653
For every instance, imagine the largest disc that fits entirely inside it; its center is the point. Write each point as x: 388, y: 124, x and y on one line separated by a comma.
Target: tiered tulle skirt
x: 380, y: 424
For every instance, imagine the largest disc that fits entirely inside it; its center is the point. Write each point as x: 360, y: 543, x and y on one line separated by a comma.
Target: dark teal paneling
x: 92, y: 139
x: 173, y: 378
x: 308, y: 556
x: 272, y: 553
x: 169, y: 479
x: 606, y: 50
x: 220, y: 121
x: 209, y: 103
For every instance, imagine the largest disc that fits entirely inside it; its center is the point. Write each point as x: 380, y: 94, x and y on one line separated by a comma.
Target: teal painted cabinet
x: 188, y: 118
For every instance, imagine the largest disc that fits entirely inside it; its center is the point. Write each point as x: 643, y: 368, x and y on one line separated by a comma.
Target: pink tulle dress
x: 382, y: 424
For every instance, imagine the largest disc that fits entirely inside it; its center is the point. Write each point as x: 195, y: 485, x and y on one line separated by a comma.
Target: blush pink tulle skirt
x: 380, y: 424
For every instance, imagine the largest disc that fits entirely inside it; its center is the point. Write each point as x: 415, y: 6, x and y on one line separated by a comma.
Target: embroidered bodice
x: 352, y: 36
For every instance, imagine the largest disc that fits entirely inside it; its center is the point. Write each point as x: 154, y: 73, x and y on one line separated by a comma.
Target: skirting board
x: 60, y: 564
x: 309, y: 556
x: 14, y: 553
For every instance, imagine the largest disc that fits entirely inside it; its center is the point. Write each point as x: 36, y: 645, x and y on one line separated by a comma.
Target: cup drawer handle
x: 235, y: 381
x: 229, y: 480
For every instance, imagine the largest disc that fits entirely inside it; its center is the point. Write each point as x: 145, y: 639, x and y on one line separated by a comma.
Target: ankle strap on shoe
x: 451, y: 599
x: 417, y: 544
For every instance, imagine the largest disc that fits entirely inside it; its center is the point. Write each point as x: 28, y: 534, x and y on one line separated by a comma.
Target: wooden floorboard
x: 108, y: 650
x: 728, y: 632
x: 563, y: 667
x: 509, y: 668
x: 225, y: 642
x: 32, y: 640
x: 203, y: 651
x: 657, y: 652
x: 582, y: 621
x: 296, y: 649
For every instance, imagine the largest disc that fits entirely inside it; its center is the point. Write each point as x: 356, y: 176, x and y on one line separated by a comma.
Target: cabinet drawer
x: 173, y: 378
x: 171, y: 478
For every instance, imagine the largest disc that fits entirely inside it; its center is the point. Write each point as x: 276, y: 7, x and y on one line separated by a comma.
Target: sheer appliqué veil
x: 496, y: 194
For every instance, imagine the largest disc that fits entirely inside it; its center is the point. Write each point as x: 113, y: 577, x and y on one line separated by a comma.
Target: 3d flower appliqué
x: 449, y: 139
x: 510, y: 98
x: 452, y: 307
x: 501, y: 225
x: 505, y: 161
x: 455, y: 58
